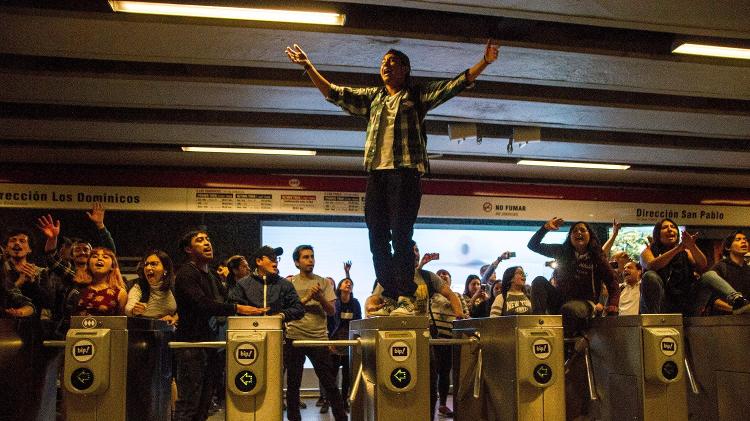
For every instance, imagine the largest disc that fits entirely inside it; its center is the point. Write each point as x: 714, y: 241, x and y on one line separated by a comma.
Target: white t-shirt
x: 518, y: 303
x: 630, y: 299
x: 384, y: 158
x: 313, y: 325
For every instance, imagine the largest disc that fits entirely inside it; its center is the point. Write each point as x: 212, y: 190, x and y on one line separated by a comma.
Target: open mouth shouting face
x: 153, y: 269
x: 200, y: 247
x: 580, y: 236
x: 393, y: 71
x: 100, y: 262
x: 18, y: 246
x: 669, y: 234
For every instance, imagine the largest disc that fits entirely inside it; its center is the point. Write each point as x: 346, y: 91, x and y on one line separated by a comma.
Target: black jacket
x: 197, y: 304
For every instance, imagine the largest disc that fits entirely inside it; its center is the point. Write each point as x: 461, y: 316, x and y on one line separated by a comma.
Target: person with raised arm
x: 669, y: 284
x: 395, y: 156
x: 582, y: 271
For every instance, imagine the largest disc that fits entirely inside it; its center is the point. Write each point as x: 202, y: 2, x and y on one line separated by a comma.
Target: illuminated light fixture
x: 725, y: 202
x: 220, y: 12
x: 292, y: 152
x: 573, y: 164
x: 712, y: 51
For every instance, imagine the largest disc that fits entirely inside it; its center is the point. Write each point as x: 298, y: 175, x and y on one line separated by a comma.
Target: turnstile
x: 254, y: 368
x: 514, y: 371
x: 95, y: 369
x: 394, y: 353
x: 718, y: 349
x: 639, y: 367
x: 28, y: 371
x: 116, y: 368
x: 254, y: 384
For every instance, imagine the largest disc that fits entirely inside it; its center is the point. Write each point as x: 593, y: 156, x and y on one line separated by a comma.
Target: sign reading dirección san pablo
x: 291, y: 201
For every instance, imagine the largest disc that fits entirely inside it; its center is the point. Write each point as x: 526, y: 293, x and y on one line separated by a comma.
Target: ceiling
x: 82, y: 84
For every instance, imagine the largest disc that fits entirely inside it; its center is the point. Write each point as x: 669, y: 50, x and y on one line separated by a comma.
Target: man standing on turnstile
x: 319, y: 300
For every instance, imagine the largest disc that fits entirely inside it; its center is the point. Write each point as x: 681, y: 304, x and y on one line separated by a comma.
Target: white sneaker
x: 405, y: 306
x: 389, y: 304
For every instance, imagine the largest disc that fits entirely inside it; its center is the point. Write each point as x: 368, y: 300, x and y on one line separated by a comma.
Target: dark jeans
x: 294, y: 361
x: 391, y: 206
x: 343, y: 362
x: 547, y: 299
x: 656, y: 297
x: 198, y: 372
x: 444, y: 360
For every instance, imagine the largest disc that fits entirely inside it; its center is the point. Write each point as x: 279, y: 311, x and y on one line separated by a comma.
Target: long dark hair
x: 508, y: 276
x: 657, y: 248
x: 232, y: 264
x: 468, y: 281
x: 338, y: 287
x: 566, y: 265
x: 167, y: 280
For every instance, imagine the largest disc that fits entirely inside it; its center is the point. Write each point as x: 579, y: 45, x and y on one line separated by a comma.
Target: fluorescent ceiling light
x: 725, y: 202
x: 713, y: 51
x: 573, y: 164
x: 219, y: 12
x: 294, y: 152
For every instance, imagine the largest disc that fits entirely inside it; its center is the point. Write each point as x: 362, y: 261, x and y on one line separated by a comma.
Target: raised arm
x: 535, y: 242
x: 97, y: 217
x: 51, y: 230
x: 297, y: 56
x: 607, y: 247
x: 491, y: 51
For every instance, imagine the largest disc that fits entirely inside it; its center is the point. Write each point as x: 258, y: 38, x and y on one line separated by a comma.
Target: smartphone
x: 511, y: 254
x: 485, y: 288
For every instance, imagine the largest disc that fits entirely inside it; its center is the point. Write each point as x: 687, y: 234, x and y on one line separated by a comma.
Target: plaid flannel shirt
x: 409, y: 137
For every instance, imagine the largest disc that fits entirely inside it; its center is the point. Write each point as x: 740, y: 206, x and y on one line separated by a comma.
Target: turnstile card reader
x: 254, y: 368
x: 638, y: 365
x: 397, y: 372
x: 514, y: 372
x: 394, y: 356
x: 87, y: 361
x: 95, y: 373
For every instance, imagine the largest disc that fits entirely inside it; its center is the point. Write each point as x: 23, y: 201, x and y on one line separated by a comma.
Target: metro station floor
x: 312, y: 413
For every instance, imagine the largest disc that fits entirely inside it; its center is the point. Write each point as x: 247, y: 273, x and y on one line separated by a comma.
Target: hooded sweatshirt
x: 270, y: 291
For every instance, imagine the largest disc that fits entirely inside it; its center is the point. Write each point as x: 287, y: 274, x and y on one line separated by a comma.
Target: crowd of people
x: 84, y: 278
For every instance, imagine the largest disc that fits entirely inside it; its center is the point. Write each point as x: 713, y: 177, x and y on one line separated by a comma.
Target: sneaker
x: 741, y: 306
x: 445, y: 412
x: 320, y: 402
x: 324, y: 407
x: 389, y: 304
x: 302, y: 404
x: 405, y: 306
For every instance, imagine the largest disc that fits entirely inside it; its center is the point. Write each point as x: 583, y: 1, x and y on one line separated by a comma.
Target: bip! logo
x: 541, y: 348
x: 668, y: 346
x: 399, y: 351
x: 83, y: 350
x: 246, y: 354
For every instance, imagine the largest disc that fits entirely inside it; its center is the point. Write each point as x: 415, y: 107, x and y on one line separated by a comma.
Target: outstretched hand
x: 347, y: 267
x: 554, y: 224
x: 297, y: 56
x: 97, y: 215
x: 491, y: 51
x: 688, y: 240
x: 49, y: 227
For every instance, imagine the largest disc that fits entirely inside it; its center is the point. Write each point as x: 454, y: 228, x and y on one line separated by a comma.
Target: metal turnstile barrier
x: 28, y: 371
x: 639, y: 366
x: 392, y: 361
x: 116, y: 368
x: 718, y: 349
x: 514, y: 371
x: 254, y: 349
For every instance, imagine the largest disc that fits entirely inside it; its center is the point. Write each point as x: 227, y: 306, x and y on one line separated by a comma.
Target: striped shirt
x: 407, y: 127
